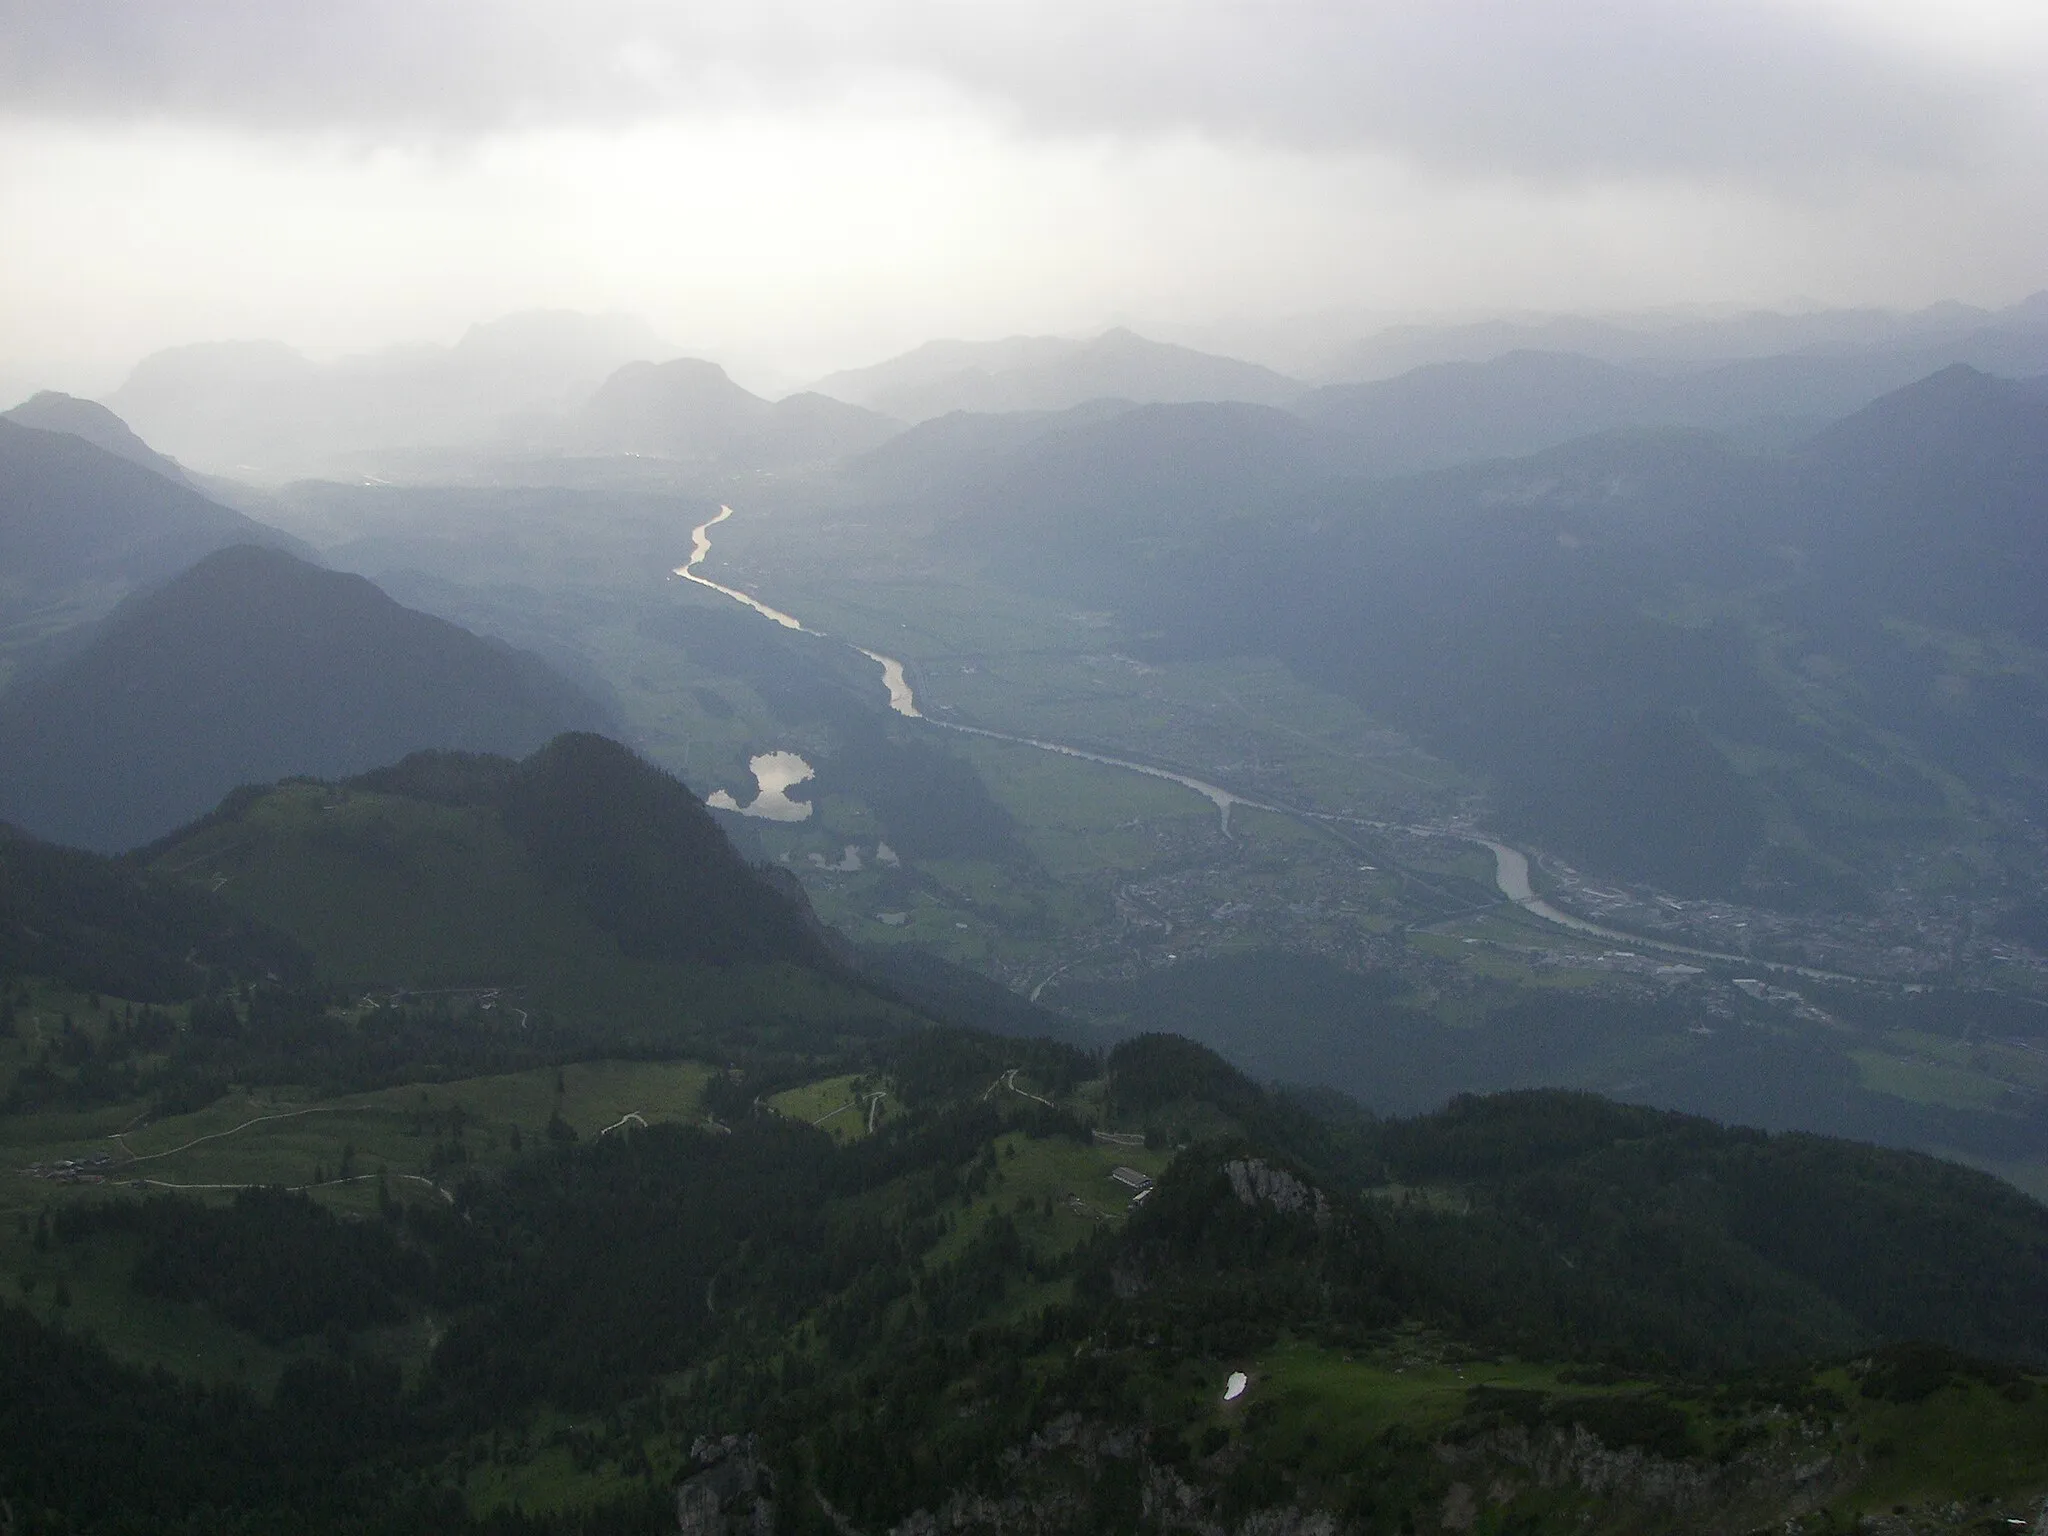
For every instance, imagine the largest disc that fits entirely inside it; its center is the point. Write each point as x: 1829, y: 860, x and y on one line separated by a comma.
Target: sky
x: 790, y: 186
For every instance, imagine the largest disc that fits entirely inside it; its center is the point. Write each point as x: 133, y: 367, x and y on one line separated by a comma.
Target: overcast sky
x: 794, y: 185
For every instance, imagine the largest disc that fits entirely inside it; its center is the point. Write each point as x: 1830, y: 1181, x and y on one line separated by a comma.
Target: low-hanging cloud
x: 1557, y: 88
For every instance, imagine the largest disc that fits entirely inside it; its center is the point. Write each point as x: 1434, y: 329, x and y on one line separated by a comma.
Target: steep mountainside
x: 1933, y: 504
x: 250, y: 666
x: 74, y: 515
x: 53, y: 411
x: 1148, y: 484
x: 93, y: 925
x: 593, y: 887
x: 920, y: 465
x: 1542, y: 1309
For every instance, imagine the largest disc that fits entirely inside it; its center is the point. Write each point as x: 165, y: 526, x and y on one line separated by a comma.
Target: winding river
x: 1510, y: 865
x: 1511, y: 874
x: 700, y: 546
x: 904, y: 701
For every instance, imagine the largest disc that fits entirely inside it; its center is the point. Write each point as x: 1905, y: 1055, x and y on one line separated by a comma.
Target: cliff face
x: 732, y: 1492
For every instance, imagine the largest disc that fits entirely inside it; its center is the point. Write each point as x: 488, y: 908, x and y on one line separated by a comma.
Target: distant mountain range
x: 1509, y: 604
x: 1446, y: 414
x: 533, y: 387
x: 1525, y: 401
x: 1968, y: 333
x: 690, y: 410
x: 1675, y: 660
x: 1048, y: 373
x: 262, y: 410
x: 250, y: 666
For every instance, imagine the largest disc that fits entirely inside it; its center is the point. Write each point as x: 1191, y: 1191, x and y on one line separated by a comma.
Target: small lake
x: 776, y: 773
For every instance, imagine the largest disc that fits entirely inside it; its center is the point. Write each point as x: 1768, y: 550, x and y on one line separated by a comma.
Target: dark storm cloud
x: 1563, y: 87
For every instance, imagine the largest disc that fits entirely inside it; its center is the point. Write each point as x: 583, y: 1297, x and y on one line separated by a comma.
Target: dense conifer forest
x: 983, y: 1278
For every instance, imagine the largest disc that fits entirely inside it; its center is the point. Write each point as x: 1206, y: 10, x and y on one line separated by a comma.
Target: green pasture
x: 1927, y: 1082
x: 1346, y: 1401
x: 839, y: 1106
x: 1078, y: 818
x: 1502, y: 952
x: 389, y: 891
x: 318, y: 861
x: 1057, y: 1191
x: 1966, y: 1437
x: 2009, y: 1061
x: 275, y: 1136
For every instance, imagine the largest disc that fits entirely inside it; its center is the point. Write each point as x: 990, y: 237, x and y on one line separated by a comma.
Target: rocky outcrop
x: 731, y: 1493
x: 1792, y: 1477
x: 1257, y: 1182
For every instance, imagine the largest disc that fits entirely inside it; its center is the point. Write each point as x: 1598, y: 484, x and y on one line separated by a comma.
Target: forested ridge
x: 875, y: 1267
x: 883, y: 1324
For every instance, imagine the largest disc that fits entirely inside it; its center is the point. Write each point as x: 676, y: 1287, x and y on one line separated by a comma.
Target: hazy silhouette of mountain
x: 262, y: 410
x: 54, y: 411
x: 1933, y: 503
x: 72, y: 514
x: 690, y: 409
x: 1678, y: 338
x: 231, y: 406
x: 954, y: 448
x: 1525, y: 401
x: 1156, y: 476
x: 1519, y: 616
x: 1045, y: 373
x: 1958, y: 428
x: 1448, y: 413
x: 252, y: 666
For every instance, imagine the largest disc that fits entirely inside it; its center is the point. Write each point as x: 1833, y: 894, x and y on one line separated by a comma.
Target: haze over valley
x: 1198, y: 769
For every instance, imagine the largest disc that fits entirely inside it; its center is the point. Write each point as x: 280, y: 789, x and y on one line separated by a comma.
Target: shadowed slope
x: 252, y: 666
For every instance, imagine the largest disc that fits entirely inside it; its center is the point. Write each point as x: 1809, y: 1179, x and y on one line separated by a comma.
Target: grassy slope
x: 280, y: 1137
x: 391, y: 891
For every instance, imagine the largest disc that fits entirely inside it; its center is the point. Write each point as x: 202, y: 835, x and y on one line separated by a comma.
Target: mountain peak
x: 1951, y: 417
x: 253, y: 665
x: 1045, y: 373
x: 689, y: 408
x: 54, y: 411
x: 79, y: 522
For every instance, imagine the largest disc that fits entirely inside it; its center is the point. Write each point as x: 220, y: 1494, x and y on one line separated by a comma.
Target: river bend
x: 1510, y: 865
